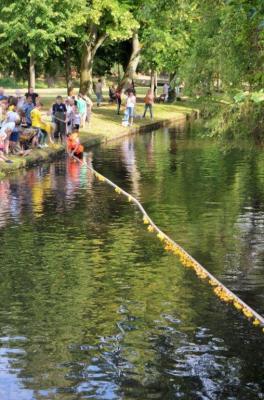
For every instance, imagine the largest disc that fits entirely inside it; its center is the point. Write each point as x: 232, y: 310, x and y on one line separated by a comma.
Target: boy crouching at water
x: 74, y: 147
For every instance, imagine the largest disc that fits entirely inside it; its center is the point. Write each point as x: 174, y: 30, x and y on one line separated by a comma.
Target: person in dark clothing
x: 118, y: 100
x: 59, y: 111
x: 32, y: 94
x: 112, y: 91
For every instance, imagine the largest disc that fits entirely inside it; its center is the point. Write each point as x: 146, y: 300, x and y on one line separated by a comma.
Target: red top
x: 73, y: 143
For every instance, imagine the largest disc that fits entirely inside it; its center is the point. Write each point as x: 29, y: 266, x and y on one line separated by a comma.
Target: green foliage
x: 112, y: 19
x: 36, y: 28
x: 244, y: 119
x: 9, y: 82
x: 163, y: 33
x: 258, y: 97
x: 226, y: 47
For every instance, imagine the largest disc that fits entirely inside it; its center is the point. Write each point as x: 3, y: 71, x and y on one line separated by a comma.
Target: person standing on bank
x: 149, y: 101
x: 99, y: 92
x: 130, y: 106
x: 118, y: 99
x: 59, y: 112
x: 82, y: 108
x: 166, y: 88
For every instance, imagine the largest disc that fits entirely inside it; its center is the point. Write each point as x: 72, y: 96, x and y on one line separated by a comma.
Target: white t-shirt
x: 68, y: 109
x: 7, y: 126
x: 77, y: 119
x: 12, y: 116
x: 131, y: 101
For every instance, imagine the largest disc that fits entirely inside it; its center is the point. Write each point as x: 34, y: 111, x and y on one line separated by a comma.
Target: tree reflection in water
x: 91, y: 306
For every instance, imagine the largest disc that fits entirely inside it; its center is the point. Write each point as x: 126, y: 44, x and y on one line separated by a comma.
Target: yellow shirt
x: 36, y: 119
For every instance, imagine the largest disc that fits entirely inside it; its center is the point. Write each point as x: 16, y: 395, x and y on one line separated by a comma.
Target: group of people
x: 115, y: 96
x: 23, y: 126
x: 131, y: 106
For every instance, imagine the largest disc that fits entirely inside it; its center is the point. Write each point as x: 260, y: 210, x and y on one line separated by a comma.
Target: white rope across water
x: 185, y: 258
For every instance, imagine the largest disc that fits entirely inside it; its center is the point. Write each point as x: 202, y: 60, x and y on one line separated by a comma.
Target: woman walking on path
x: 149, y: 101
x: 130, y: 107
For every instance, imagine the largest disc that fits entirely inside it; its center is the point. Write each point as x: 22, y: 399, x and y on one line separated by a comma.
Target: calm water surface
x: 91, y: 307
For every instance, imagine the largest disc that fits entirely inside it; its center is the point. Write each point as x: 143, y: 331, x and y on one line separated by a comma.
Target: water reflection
x: 28, y: 192
x: 91, y: 307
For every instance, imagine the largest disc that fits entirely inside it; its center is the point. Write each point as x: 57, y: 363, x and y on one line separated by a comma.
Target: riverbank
x: 105, y: 125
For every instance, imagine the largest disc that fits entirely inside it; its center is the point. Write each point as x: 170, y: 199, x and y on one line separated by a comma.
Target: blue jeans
x: 98, y: 98
x: 148, y: 106
x: 42, y: 136
x: 130, y: 112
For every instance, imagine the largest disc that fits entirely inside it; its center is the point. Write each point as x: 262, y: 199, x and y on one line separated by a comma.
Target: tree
x: 104, y: 20
x: 39, y: 27
x: 132, y: 62
x: 161, y: 37
x: 226, y: 45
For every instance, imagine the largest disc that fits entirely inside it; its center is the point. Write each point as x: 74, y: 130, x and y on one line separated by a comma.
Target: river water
x: 91, y: 307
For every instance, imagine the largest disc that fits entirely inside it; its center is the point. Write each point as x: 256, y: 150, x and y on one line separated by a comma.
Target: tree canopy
x: 208, y: 44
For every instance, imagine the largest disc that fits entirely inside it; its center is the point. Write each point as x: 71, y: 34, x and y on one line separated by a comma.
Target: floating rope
x: 219, y: 289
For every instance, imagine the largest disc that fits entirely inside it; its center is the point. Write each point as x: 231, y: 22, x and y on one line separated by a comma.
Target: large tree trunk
x: 89, y: 50
x: 86, y: 73
x: 32, y: 73
x: 133, y: 62
x: 68, y: 74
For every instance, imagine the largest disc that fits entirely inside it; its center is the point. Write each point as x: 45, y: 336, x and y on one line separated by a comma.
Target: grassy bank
x: 105, y: 125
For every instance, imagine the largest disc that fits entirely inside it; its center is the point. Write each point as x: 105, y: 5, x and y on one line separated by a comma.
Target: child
x: 5, y: 132
x: 76, y: 118
x: 2, y: 148
x: 74, y: 148
x: 69, y: 115
x: 44, y: 128
x: 14, y: 138
x: 3, y: 137
x: 82, y: 109
x: 59, y: 112
x: 130, y: 106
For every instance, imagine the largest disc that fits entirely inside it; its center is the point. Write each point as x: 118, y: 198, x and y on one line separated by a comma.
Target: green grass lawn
x: 105, y: 122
